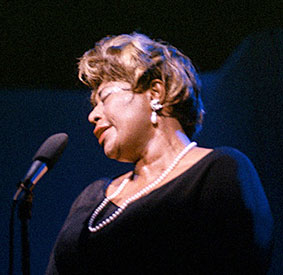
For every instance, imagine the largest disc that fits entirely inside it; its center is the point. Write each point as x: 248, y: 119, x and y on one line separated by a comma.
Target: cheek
x: 129, y: 116
x: 118, y: 115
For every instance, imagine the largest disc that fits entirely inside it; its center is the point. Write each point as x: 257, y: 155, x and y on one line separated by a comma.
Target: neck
x: 160, y: 152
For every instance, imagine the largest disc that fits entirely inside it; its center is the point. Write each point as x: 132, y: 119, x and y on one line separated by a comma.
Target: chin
x: 111, y: 151
x: 115, y: 153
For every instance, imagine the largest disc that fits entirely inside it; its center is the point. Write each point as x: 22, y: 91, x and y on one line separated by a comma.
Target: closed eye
x: 103, y: 95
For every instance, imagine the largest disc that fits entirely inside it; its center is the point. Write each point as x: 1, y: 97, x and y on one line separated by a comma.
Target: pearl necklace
x: 136, y: 196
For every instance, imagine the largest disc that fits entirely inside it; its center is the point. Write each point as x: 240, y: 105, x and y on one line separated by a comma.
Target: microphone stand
x: 44, y: 159
x: 25, y: 206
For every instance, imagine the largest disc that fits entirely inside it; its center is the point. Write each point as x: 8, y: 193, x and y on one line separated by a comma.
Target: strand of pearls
x: 136, y: 196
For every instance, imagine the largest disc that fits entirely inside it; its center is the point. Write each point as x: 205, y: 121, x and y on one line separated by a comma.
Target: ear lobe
x: 157, y: 90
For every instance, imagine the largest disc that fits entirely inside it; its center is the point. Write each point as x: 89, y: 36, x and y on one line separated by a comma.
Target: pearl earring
x: 155, y: 106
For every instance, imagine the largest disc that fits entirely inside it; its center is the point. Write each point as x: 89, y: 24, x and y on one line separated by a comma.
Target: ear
x: 157, y: 90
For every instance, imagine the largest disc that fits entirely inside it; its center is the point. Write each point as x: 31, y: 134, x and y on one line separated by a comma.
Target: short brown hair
x: 137, y: 59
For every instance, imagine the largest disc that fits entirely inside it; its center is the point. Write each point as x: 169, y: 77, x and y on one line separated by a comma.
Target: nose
x: 95, y: 115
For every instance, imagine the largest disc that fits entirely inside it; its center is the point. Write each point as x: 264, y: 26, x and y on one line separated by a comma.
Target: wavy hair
x: 137, y: 59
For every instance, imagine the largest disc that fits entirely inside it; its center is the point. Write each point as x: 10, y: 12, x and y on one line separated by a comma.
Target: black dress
x: 212, y: 219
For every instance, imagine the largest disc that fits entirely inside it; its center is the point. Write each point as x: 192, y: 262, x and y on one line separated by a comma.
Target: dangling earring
x: 155, y: 106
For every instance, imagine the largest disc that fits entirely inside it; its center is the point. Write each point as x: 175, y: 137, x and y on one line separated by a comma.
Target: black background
x: 42, y: 40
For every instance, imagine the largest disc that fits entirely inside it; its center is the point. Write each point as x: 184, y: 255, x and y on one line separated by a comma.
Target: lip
x: 99, y: 132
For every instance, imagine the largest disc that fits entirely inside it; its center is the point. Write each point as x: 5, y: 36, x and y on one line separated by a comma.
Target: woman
x: 183, y: 209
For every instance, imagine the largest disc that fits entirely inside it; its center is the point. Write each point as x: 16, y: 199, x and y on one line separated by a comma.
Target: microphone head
x: 51, y: 150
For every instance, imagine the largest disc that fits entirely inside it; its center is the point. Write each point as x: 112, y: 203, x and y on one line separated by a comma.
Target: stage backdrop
x: 243, y: 100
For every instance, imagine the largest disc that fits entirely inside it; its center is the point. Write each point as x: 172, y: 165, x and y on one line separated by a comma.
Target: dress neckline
x: 162, y: 186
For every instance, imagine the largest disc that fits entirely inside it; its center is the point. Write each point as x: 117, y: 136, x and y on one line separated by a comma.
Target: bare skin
x: 133, y: 138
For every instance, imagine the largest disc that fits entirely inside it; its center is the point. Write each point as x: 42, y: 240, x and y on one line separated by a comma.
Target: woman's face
x: 122, y: 120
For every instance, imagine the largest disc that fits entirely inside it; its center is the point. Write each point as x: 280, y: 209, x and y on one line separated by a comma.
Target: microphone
x: 44, y: 159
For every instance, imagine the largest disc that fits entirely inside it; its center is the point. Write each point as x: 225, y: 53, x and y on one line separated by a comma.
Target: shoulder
x: 219, y: 164
x: 230, y: 154
x: 227, y: 167
x: 229, y: 160
x: 91, y: 193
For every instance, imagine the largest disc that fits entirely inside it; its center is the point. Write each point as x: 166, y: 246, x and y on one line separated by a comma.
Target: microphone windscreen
x: 51, y: 150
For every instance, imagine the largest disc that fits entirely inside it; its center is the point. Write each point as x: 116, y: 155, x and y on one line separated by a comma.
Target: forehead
x: 114, y: 85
